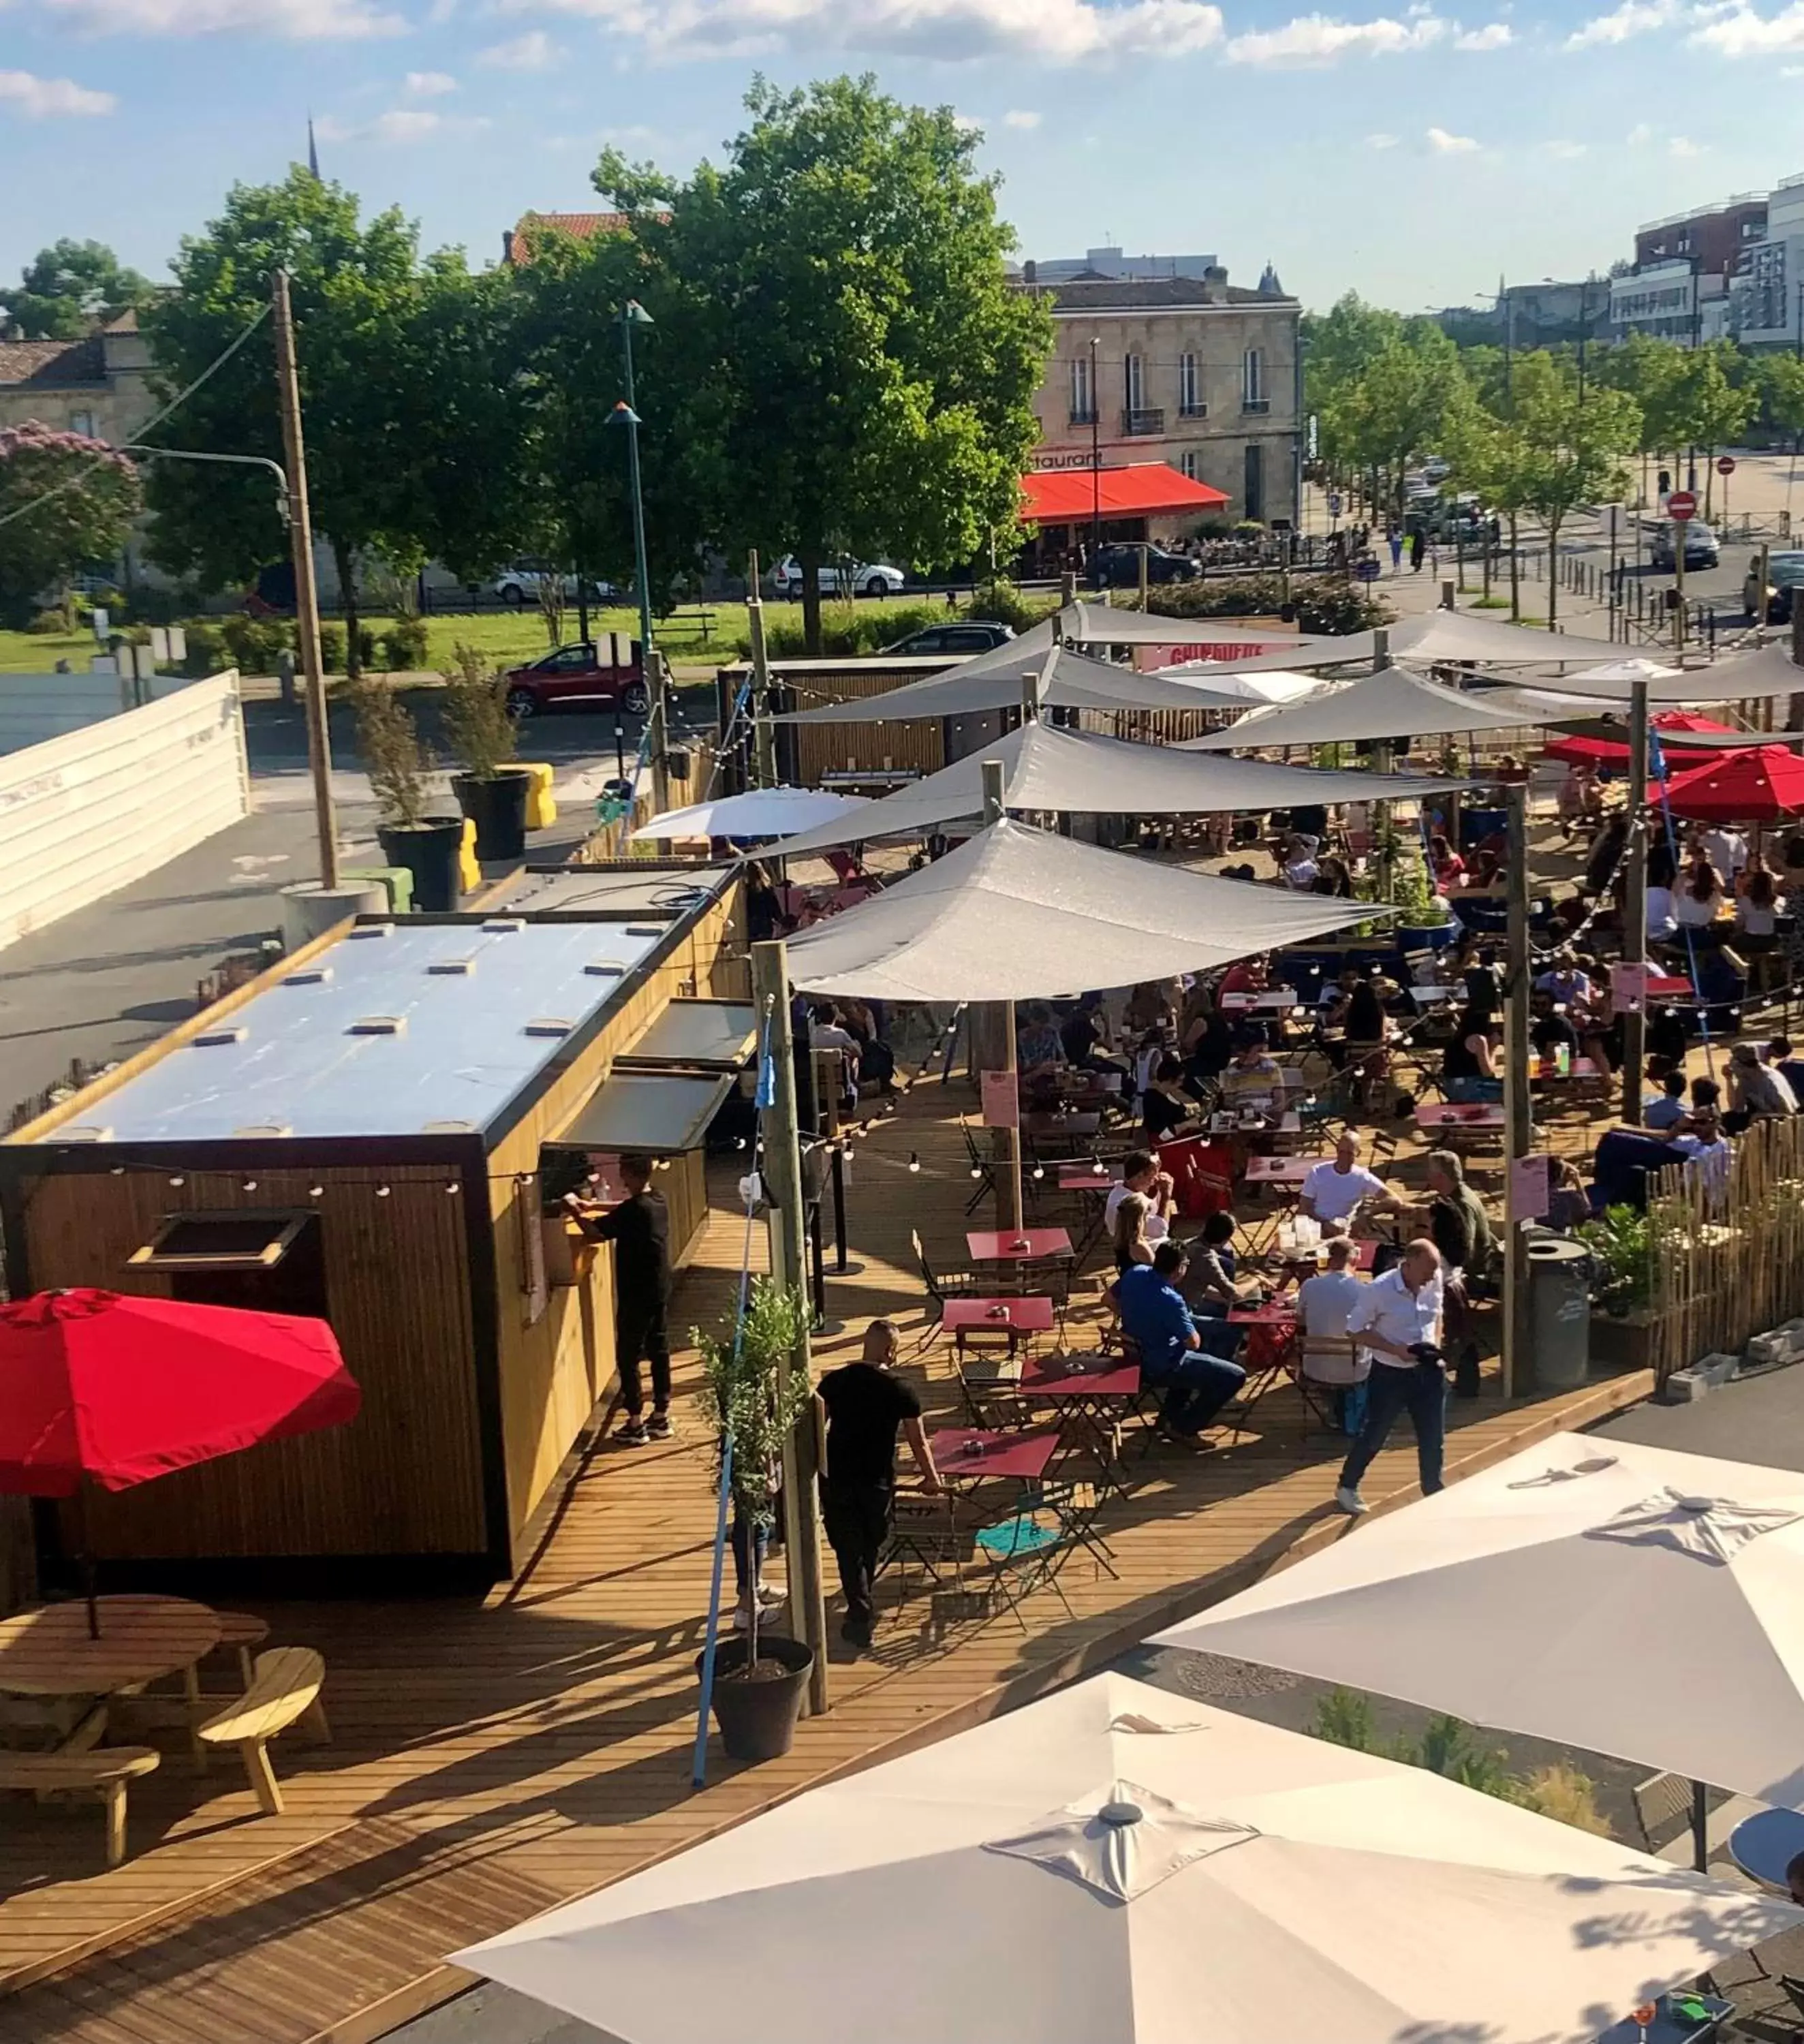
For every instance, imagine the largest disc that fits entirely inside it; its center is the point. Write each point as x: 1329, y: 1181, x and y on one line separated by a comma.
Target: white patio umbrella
x: 1081, y: 773
x: 1396, y: 702
x: 1117, y: 1866
x: 1754, y: 673
x: 1281, y: 687
x: 1627, y: 1600
x: 757, y: 812
x: 1103, y: 624
x: 1018, y: 914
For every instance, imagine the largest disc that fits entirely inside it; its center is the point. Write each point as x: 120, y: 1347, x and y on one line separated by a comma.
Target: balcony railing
x: 1083, y: 415
x: 1196, y: 410
x: 1256, y: 404
x: 1139, y: 424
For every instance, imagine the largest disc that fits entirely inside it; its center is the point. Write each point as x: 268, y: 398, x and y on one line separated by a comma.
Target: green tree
x: 66, y: 288
x: 866, y: 372
x: 367, y: 342
x: 1782, y: 376
x: 1710, y: 410
x: 1648, y: 371
x: 63, y: 505
x: 1400, y: 406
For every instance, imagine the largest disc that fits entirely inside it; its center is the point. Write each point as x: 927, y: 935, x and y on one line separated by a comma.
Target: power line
x: 75, y: 481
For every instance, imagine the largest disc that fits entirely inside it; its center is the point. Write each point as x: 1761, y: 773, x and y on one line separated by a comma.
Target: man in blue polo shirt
x: 1155, y: 1318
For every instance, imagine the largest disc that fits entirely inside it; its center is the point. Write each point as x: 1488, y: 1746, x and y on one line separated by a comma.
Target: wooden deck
x: 493, y: 1756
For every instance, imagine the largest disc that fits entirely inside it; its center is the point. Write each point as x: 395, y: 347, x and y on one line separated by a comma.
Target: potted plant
x: 757, y: 1400
x: 1426, y: 919
x: 1623, y: 1251
x: 490, y: 792
x: 398, y: 765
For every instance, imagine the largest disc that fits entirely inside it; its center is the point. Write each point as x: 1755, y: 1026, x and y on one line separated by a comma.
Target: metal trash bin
x: 1559, y: 1312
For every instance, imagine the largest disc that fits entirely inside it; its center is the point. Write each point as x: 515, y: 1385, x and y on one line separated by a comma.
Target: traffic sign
x: 1726, y: 464
x: 1681, y: 506
x: 1334, y: 505
x: 1368, y: 570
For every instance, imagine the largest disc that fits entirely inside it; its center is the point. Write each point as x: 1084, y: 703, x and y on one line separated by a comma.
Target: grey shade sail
x: 1763, y: 670
x: 662, y: 1113
x: 1439, y: 637
x: 1060, y: 679
x: 1018, y: 914
x: 1723, y: 741
x: 1101, y: 624
x: 1081, y: 773
x: 1393, y: 703
x: 721, y: 1033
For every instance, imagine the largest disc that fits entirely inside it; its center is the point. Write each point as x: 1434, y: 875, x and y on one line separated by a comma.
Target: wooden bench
x: 104, y: 1770
x: 284, y: 1687
x: 239, y: 1629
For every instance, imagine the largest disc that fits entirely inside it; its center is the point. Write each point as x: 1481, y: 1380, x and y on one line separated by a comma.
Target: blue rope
x: 698, y: 1772
x: 1656, y: 765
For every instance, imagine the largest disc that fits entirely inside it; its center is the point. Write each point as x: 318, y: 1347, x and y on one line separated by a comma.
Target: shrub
x: 332, y: 649
x: 1249, y: 528
x: 206, y: 652
x: 1321, y: 603
x: 845, y: 628
x: 476, y: 720
x: 155, y: 606
x: 255, y: 644
x: 1002, y: 603
x: 404, y: 645
x: 48, y: 621
x: 393, y: 757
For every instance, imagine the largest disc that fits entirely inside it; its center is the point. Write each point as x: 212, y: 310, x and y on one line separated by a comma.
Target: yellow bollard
x: 469, y: 871
x: 541, y: 804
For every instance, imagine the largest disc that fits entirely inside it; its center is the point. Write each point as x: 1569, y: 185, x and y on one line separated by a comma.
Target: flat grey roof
x: 660, y: 894
x: 724, y: 1033
x: 478, y: 1006
x: 661, y: 1113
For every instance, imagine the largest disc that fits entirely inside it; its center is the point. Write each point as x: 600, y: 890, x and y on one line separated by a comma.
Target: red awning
x: 1141, y: 489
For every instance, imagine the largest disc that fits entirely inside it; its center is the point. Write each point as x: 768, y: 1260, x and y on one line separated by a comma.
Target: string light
x: 914, y: 1162
x: 452, y: 1187
x: 382, y: 1191
x: 249, y: 1186
x: 118, y: 1170
x: 316, y: 1192
x: 178, y: 1180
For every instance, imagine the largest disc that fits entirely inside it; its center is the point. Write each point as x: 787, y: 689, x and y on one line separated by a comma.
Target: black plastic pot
x: 429, y: 851
x: 497, y: 808
x: 758, y: 1719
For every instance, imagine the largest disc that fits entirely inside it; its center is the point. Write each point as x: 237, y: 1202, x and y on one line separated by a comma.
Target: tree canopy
x: 82, y: 499
x: 65, y: 289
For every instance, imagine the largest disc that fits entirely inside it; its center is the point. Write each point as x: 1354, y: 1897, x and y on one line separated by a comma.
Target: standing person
x: 1416, y: 550
x: 1156, y: 1320
x: 866, y: 1406
x: 1324, y: 1305
x: 1395, y: 539
x: 1399, y: 1318
x: 640, y: 1229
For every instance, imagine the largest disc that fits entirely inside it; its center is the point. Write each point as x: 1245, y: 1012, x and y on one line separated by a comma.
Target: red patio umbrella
x: 99, y: 1386
x: 1581, y: 750
x: 1758, y: 787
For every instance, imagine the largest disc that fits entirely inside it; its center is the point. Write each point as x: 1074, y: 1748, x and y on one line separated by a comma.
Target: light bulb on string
x: 249, y: 1186
x: 178, y: 1180
x: 382, y: 1191
x: 914, y: 1162
x: 316, y: 1192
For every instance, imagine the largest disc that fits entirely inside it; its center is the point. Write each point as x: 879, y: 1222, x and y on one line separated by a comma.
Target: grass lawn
x: 37, y: 653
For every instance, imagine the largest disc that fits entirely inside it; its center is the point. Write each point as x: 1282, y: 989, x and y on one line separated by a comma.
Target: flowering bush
x: 65, y: 501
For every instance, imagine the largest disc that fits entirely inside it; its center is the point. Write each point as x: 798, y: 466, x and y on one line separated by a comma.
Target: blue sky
x: 1414, y: 154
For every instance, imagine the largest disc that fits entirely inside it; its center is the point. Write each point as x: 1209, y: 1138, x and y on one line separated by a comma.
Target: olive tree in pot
x: 756, y: 1398
x: 398, y: 765
x: 491, y: 792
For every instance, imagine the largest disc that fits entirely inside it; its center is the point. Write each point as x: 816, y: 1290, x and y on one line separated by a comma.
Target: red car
x: 586, y: 676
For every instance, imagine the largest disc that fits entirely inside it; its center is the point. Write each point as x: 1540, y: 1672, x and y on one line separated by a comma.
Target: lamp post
x: 1096, y: 459
x: 651, y: 665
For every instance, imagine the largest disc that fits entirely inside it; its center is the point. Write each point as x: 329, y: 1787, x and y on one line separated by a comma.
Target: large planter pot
x: 1426, y: 936
x: 1621, y: 1341
x: 497, y: 808
x: 429, y: 851
x: 757, y: 1716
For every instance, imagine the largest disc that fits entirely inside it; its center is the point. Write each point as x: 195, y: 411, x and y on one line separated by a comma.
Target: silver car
x: 1702, y: 547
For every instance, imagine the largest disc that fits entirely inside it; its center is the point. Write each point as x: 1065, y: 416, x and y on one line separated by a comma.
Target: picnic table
x: 967, y: 1455
x: 1482, y: 1115
x: 48, y: 1652
x: 1092, y: 1393
x: 987, y: 1245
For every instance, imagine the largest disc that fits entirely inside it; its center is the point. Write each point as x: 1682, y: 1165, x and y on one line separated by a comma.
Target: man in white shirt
x: 1727, y: 850
x: 1333, y: 1190
x: 1324, y: 1303
x: 1141, y: 1174
x: 1398, y: 1318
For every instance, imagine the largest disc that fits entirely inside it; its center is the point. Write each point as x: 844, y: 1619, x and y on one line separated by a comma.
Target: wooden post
x: 764, y: 749
x: 782, y: 1169
x: 1146, y: 559
x: 1519, y: 1106
x: 1635, y: 903
x: 306, y: 594
x: 1008, y: 1208
x: 1447, y: 593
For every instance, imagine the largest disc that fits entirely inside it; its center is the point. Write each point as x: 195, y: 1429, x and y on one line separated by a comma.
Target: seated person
x: 1213, y: 1285
x: 1666, y: 1109
x: 1328, y: 1356
x: 1756, y: 1092
x: 1564, y: 983
x: 1699, y: 897
x: 1791, y: 1069
x: 1298, y: 868
x: 877, y: 1062
x: 1568, y: 1202
x: 1165, y: 1107
x: 1038, y: 1048
x: 1140, y: 1174
x: 1446, y: 865
x: 1334, y: 1189
x: 1251, y: 1080
x: 1129, y: 1235
x: 827, y: 1032
x: 1468, y: 1065
x: 1149, y: 1006
x: 1703, y: 1144
x: 1155, y: 1318
x: 1707, y: 1098
x: 1246, y: 975
x: 1551, y: 1030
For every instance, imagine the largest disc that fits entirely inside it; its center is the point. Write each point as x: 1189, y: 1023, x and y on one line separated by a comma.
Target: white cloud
x: 1633, y: 17
x: 427, y: 84
x: 1382, y: 141
x: 1493, y: 36
x: 1639, y: 137
x: 1683, y: 145
x: 535, y: 51
x: 1021, y: 117
x: 294, y: 21
x: 968, y: 124
x: 1313, y: 41
x: 1444, y: 144
x: 1739, y: 31
x: 50, y: 98
x: 1049, y: 31
x: 399, y: 127
x: 1565, y: 152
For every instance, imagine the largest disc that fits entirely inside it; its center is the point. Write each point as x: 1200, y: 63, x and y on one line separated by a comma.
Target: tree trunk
x: 345, y: 561
x: 1552, y: 575
x: 809, y: 562
x: 1515, y: 576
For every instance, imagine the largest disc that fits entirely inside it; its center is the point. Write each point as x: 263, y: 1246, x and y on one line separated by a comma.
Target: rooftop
x: 517, y: 242
x: 595, y: 891
x: 1082, y: 295
x: 405, y: 1029
x: 51, y: 364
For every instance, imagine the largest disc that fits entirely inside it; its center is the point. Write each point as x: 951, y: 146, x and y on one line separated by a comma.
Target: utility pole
x: 764, y: 731
x: 782, y: 1169
x: 1095, y: 459
x: 1008, y: 1204
x: 1678, y: 585
x: 1635, y: 903
x: 651, y: 663
x: 1518, y: 1105
x: 306, y: 595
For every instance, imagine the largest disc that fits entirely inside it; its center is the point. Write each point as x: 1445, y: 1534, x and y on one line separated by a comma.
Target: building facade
x: 1767, y: 293
x: 98, y: 386
x: 1676, y: 300
x: 1192, y: 371
x: 1112, y: 262
x: 1711, y: 237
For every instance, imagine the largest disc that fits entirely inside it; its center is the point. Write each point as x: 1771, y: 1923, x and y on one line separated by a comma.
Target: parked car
x: 972, y: 638
x: 1117, y: 565
x: 1785, y: 577
x: 1702, y: 549
x: 840, y: 577
x: 1437, y: 468
x: 583, y: 676
x: 520, y: 582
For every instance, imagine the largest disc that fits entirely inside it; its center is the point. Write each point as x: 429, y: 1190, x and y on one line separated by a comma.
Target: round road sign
x: 1681, y: 506
x: 1368, y: 570
x: 1726, y: 464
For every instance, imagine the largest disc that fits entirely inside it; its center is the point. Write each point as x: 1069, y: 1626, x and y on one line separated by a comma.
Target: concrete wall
x: 35, y: 707
x: 82, y: 814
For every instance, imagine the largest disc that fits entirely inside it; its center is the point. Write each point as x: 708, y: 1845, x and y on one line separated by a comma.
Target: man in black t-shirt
x: 640, y: 1229
x: 866, y: 1406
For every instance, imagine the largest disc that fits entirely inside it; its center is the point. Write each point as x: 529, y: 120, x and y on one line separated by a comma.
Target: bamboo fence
x: 1727, y: 1247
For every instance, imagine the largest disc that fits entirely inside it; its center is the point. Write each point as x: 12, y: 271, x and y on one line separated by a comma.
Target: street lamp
x: 632, y: 314
x: 1096, y: 460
